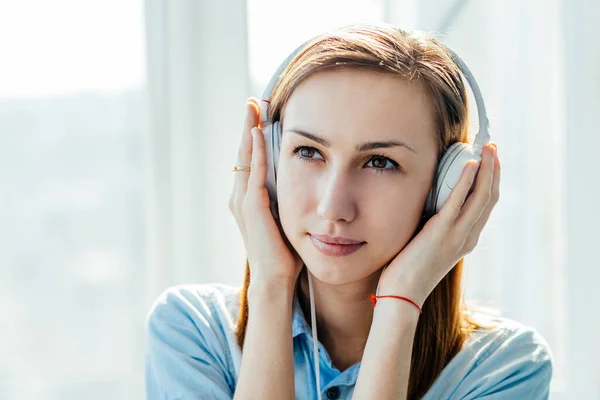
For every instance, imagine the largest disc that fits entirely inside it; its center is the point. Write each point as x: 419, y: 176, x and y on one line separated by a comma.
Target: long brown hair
x: 446, y: 321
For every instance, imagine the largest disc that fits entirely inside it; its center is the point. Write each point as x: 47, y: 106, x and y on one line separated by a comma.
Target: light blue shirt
x: 192, y: 353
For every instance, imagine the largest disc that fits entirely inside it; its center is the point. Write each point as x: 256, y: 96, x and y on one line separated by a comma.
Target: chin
x: 330, y: 274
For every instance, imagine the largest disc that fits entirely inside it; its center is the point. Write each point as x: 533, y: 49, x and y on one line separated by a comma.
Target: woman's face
x: 339, y: 185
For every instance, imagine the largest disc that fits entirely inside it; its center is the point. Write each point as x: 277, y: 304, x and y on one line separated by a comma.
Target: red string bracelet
x: 374, y: 298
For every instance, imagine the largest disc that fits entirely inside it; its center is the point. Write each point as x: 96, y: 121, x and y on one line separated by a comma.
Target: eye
x: 305, y: 153
x: 379, y: 163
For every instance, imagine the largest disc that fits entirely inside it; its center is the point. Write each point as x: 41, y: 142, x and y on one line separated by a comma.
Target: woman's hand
x: 448, y: 236
x: 271, y: 258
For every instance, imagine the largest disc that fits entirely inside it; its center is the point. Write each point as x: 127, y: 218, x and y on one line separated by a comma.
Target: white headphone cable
x: 313, y: 319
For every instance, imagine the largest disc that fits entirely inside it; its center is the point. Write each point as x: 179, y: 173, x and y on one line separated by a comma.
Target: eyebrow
x: 361, y: 147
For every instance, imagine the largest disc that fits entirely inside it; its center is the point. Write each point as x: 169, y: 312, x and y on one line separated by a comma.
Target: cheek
x: 392, y: 215
x: 295, y: 191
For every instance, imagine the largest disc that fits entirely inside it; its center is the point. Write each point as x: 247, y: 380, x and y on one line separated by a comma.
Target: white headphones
x: 448, y: 173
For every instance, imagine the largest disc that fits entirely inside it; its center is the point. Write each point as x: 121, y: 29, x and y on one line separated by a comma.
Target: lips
x: 335, y: 249
x: 335, y: 240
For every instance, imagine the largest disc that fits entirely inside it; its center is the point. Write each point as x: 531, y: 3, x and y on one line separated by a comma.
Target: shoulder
x: 509, y: 360
x: 507, y: 338
x: 196, y: 298
x: 206, y: 306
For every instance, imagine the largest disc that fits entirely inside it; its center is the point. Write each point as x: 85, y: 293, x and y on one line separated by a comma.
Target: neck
x: 344, y: 316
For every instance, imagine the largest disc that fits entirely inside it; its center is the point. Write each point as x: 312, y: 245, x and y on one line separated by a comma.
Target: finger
x: 256, y: 102
x: 258, y: 173
x: 455, y: 201
x: 240, y: 179
x: 477, y: 202
x: 245, y: 151
x: 478, y: 227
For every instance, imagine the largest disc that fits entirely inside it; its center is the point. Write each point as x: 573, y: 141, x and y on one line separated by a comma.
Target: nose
x: 337, y: 202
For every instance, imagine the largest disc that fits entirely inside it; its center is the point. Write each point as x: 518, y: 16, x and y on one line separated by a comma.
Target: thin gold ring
x: 240, y: 168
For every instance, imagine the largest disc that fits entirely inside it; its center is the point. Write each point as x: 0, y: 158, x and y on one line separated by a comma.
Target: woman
x: 366, y: 113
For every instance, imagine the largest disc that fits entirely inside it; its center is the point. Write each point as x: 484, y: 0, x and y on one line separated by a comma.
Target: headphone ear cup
x: 272, y: 134
x: 448, y: 173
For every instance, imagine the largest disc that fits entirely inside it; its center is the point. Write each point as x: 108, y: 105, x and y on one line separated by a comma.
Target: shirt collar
x: 299, y: 323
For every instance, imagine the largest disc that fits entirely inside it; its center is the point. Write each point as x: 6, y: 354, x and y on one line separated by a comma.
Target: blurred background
x: 120, y: 121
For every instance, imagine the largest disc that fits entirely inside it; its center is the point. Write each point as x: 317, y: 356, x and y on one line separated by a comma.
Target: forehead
x: 362, y: 105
